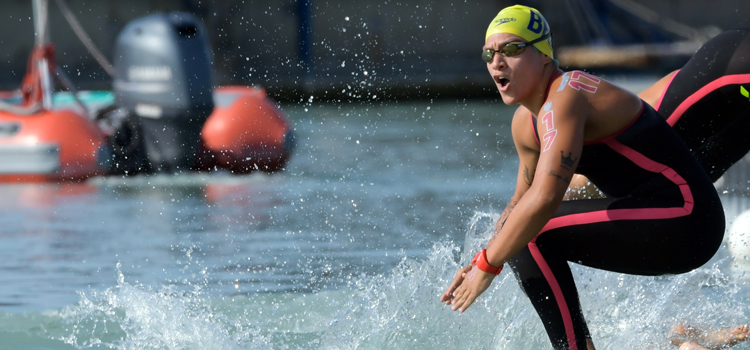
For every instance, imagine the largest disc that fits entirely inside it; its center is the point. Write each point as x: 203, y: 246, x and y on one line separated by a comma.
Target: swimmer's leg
x: 726, y: 147
x: 706, y: 102
x: 548, y: 283
x: 690, y: 337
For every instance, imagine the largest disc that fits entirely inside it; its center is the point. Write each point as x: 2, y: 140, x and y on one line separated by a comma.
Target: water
x: 349, y: 248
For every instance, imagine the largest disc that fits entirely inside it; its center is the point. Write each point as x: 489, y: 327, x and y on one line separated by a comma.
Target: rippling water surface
x: 348, y: 248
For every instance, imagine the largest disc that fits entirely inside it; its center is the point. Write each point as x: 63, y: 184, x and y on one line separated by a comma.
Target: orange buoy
x: 246, y: 132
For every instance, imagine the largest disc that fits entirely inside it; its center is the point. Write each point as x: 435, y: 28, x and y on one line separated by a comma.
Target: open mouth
x: 503, y: 81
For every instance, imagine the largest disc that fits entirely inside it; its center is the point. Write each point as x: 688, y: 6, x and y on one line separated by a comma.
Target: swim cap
x: 525, y: 22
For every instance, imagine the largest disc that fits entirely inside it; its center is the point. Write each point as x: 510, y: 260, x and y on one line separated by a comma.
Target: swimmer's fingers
x: 449, y: 293
x: 459, y: 297
x: 477, y: 282
x: 743, y: 333
x: 463, y: 299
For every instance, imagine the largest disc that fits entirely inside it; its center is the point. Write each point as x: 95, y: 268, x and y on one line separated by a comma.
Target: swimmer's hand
x: 447, y: 297
x: 461, y: 295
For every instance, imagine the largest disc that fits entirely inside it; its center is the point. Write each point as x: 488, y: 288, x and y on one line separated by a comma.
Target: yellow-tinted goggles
x: 510, y: 49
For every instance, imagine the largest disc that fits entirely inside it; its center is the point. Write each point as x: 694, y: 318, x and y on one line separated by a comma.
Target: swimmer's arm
x: 460, y: 293
x: 554, y: 170
x: 528, y: 159
x: 539, y: 199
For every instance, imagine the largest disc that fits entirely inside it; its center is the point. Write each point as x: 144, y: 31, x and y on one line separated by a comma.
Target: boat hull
x: 50, y: 146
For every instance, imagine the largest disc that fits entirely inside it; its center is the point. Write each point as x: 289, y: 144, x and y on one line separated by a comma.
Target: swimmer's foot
x: 688, y: 337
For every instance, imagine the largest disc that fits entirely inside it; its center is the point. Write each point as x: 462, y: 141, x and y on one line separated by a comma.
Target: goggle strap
x: 545, y: 36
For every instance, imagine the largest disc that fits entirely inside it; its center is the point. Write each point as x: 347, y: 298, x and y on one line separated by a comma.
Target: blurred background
x: 342, y: 50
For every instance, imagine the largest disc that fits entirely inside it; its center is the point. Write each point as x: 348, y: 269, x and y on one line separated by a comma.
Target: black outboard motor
x: 163, y: 78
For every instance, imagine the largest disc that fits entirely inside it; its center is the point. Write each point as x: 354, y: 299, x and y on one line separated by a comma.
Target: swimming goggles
x: 510, y: 49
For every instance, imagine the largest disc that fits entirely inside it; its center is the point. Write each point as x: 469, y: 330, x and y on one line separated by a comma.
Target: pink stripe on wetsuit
x: 708, y: 102
x: 701, y: 93
x: 581, y: 229
x: 665, y: 223
x: 611, y: 215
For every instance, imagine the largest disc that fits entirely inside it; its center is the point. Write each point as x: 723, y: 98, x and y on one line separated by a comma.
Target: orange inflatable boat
x: 39, y: 143
x: 162, y: 116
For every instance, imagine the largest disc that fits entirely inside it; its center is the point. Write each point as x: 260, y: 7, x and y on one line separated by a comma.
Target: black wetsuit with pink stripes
x: 662, y: 215
x: 708, y: 102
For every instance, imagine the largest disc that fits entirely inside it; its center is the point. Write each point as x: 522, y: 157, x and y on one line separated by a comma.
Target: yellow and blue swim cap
x: 525, y: 22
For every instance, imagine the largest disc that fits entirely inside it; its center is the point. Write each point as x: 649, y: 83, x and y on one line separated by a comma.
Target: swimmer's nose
x: 498, y: 61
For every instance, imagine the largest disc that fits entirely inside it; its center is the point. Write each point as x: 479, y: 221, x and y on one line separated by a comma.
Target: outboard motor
x: 164, y: 79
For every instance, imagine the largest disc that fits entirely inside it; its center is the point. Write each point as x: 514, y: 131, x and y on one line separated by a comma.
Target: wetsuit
x: 708, y: 102
x: 662, y: 215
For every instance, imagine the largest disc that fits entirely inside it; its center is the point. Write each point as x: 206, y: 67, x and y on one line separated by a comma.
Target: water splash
x: 399, y: 310
x: 138, y: 317
x: 402, y: 310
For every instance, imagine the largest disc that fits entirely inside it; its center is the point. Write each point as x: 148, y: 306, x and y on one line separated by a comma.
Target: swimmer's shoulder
x: 581, y: 94
x: 522, y: 125
x: 603, y: 108
x: 574, y: 89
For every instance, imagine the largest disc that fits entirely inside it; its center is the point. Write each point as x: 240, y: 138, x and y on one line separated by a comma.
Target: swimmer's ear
x: 555, y: 62
x: 547, y: 59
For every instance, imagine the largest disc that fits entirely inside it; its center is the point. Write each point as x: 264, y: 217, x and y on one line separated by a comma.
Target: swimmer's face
x: 516, y: 77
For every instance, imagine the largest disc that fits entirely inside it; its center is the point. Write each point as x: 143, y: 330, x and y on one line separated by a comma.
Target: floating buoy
x: 245, y: 133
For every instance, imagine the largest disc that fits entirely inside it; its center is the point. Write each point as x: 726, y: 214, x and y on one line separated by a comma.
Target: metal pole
x: 41, y: 22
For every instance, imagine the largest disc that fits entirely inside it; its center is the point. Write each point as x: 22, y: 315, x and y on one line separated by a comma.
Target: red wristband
x: 474, y: 261
x: 481, y: 260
